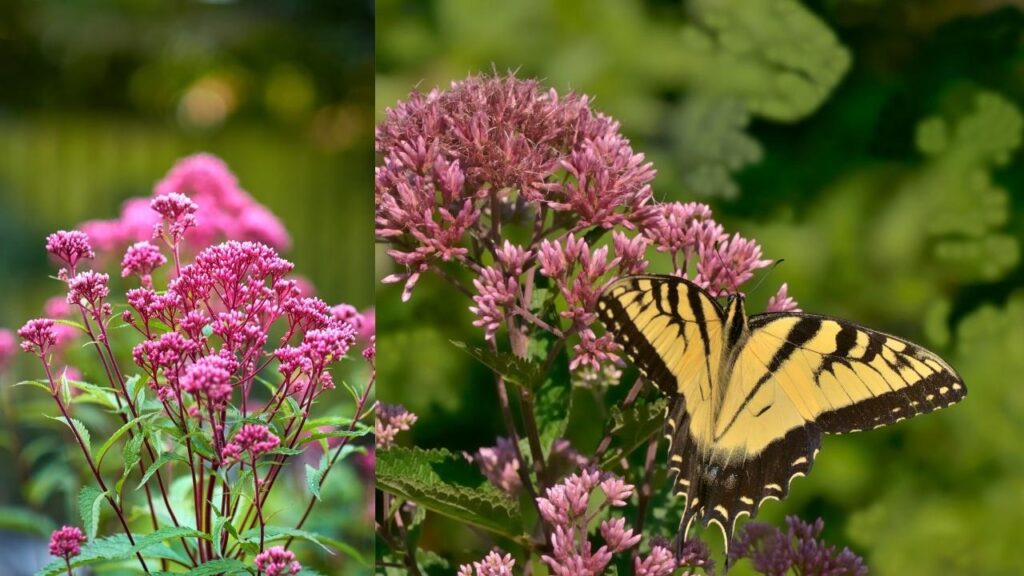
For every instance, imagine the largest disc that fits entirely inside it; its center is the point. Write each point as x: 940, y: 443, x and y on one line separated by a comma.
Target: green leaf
x: 712, y: 144
x: 314, y: 476
x: 116, y: 436
x: 76, y: 425
x: 116, y: 547
x: 781, y: 59
x: 36, y: 384
x: 357, y: 433
x: 633, y: 427
x: 222, y: 566
x: 509, y: 366
x: 25, y: 521
x: 89, y: 501
x: 447, y: 484
x: 553, y: 398
x: 164, y: 459
x: 274, y: 533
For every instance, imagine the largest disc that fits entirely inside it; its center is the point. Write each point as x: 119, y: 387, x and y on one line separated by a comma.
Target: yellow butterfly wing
x: 797, y: 376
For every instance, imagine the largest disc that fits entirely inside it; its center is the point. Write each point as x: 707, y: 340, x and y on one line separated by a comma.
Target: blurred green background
x: 874, y: 145
x: 98, y: 101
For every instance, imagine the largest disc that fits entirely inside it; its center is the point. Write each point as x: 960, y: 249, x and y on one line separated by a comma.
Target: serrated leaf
x: 357, y: 433
x: 447, y: 484
x: 224, y: 566
x: 117, y: 435
x: 274, y: 533
x: 711, y: 144
x: 90, y: 498
x: 116, y: 547
x: 314, y: 476
x: 633, y: 427
x: 79, y: 427
x: 162, y: 460
x: 509, y: 366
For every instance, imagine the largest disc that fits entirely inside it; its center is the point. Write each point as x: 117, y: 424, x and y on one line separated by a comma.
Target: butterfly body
x: 751, y: 396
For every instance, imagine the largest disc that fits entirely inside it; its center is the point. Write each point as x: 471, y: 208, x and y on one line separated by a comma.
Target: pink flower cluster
x: 494, y: 564
x: 277, y: 561
x: 67, y: 542
x: 463, y: 165
x: 454, y: 159
x: 391, y: 419
x: 500, y: 465
x: 222, y: 210
x: 256, y: 439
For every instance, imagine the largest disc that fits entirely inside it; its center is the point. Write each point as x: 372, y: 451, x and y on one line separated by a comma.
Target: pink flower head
x: 178, y: 213
x: 38, y: 336
x: 660, y: 562
x: 391, y: 419
x: 782, y: 301
x: 494, y: 564
x: 67, y: 542
x: 253, y: 438
x: 210, y: 377
x: 327, y: 345
x: 69, y: 247
x: 616, y: 490
x: 141, y: 259
x: 363, y: 322
x: 496, y: 293
x: 277, y: 561
x: 680, y: 228
x: 489, y: 143
x: 8, y: 347
x: 88, y: 289
x: 617, y: 536
x: 727, y: 265
x: 500, y: 465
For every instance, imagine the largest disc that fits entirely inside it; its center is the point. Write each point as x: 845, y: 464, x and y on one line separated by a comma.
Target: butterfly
x: 751, y: 396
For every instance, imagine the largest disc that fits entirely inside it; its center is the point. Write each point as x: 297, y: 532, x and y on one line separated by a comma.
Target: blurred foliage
x: 875, y: 146
x: 100, y: 99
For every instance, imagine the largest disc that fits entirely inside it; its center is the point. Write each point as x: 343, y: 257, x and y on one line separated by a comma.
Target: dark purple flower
x: 775, y: 553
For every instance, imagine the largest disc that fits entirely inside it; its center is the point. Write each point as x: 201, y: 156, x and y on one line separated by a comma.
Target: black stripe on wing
x: 919, y: 394
x: 674, y: 299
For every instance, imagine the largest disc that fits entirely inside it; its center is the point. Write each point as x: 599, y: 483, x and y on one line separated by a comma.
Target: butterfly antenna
x: 766, y: 274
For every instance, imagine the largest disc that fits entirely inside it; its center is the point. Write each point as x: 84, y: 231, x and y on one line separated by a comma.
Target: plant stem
x: 92, y: 465
x: 631, y: 397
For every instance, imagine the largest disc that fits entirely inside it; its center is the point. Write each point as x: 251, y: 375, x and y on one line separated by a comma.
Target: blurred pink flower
x: 500, y: 465
x: 8, y: 348
x: 391, y: 419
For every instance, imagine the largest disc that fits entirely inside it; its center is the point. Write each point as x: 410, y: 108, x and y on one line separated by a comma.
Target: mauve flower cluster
x: 277, y: 561
x: 500, y: 465
x: 567, y: 508
x: 224, y: 210
x: 798, y: 549
x: 66, y: 542
x: 391, y: 419
x: 463, y: 165
x: 494, y: 564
